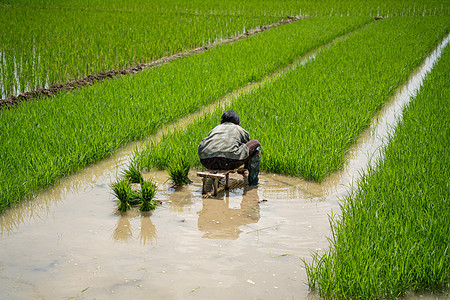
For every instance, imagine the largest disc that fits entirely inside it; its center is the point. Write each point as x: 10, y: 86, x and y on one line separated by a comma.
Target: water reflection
x: 123, y: 231
x: 179, y: 199
x: 38, y: 207
x: 12, y: 218
x: 147, y: 235
x: 220, y: 220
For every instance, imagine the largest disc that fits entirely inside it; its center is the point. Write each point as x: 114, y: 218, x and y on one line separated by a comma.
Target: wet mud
x: 247, y: 243
x: 92, y: 79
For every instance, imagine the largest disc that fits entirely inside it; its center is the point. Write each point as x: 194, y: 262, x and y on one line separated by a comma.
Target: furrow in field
x: 393, y: 234
x: 92, y: 79
x: 308, y: 119
x: 43, y: 141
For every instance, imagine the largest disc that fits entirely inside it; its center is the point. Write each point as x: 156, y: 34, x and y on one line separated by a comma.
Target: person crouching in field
x: 228, y: 146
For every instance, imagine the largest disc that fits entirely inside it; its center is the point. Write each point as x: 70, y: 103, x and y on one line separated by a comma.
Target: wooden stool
x: 216, y: 175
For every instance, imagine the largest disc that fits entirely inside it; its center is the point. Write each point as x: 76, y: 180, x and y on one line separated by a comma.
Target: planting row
x: 42, y: 141
x: 307, y: 119
x: 72, y: 44
x: 393, y: 235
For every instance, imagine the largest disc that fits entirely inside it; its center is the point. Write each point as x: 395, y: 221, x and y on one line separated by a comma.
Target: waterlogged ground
x: 70, y: 239
x: 69, y: 242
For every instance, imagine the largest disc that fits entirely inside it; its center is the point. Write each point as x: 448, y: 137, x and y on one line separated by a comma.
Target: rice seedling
x: 148, y: 192
x: 132, y: 174
x: 393, y: 234
x: 178, y: 172
x: 122, y: 191
x: 135, y: 198
x: 43, y: 141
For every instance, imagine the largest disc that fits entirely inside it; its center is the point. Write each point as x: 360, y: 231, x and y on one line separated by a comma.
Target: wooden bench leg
x: 204, y: 186
x: 226, y: 181
x: 216, y: 185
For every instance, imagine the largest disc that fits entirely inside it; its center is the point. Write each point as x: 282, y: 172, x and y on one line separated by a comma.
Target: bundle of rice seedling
x: 132, y: 174
x: 179, y: 171
x: 148, y: 192
x: 122, y: 191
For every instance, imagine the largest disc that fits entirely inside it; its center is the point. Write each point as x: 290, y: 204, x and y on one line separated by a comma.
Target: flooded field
x: 69, y: 242
x: 71, y: 239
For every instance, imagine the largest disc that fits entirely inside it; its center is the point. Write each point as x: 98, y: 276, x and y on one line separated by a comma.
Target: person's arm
x: 245, y: 137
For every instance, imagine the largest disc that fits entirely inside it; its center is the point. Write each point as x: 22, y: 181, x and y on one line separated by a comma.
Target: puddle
x: 70, y: 242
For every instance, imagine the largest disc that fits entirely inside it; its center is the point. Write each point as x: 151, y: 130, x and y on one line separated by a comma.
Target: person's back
x: 226, y: 140
x: 228, y: 146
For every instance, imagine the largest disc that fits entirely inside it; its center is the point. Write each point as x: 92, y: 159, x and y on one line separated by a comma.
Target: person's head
x: 230, y: 116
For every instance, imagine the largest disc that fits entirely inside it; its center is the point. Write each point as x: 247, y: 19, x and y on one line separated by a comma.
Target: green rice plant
x: 148, y: 192
x: 122, y: 191
x: 81, y: 38
x: 253, y: 8
x: 393, y: 233
x: 307, y: 119
x: 78, y: 41
x: 132, y: 174
x: 179, y: 171
x: 45, y: 140
x: 135, y: 198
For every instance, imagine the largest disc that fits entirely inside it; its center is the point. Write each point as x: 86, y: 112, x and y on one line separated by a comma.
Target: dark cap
x: 230, y: 116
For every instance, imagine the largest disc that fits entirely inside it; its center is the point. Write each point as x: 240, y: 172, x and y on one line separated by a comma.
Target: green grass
x: 43, y: 141
x: 255, y: 8
x: 127, y: 197
x: 393, y: 234
x: 307, y: 119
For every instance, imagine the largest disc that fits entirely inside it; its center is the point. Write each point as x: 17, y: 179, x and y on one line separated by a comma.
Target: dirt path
x: 92, y: 79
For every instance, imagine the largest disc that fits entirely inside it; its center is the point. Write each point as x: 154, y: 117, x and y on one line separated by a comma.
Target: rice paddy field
x: 308, y: 90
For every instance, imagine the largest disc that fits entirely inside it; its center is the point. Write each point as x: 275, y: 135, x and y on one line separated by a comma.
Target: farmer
x: 228, y: 146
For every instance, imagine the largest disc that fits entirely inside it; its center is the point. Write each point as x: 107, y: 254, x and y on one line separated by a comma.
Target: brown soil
x: 91, y: 79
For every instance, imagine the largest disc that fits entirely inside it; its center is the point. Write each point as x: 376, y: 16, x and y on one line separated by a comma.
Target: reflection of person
x: 218, y: 221
x: 228, y: 146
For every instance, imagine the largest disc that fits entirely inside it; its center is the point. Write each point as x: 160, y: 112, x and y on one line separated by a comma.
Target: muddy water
x: 246, y: 244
